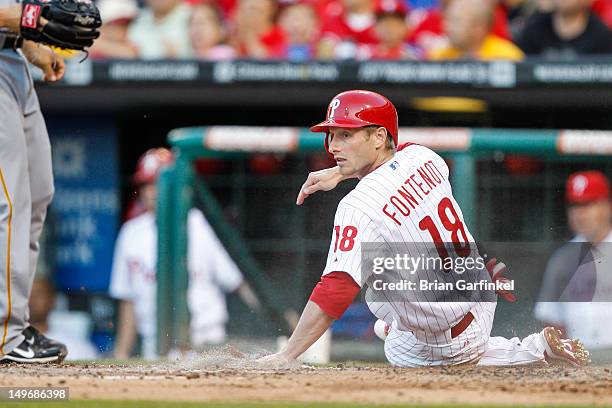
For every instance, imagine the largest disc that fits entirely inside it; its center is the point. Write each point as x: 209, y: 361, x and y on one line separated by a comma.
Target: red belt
x: 462, y: 325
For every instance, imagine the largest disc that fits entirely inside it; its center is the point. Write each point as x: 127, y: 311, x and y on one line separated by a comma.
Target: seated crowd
x: 300, y: 30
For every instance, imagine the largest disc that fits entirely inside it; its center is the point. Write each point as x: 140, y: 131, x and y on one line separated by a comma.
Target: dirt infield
x: 224, y: 377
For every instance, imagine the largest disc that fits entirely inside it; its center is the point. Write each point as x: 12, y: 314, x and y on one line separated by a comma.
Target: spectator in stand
x: 603, y: 10
x: 391, y: 30
x: 518, y: 12
x: 117, y: 16
x: 429, y: 32
x: 113, y: 42
x: 468, y: 25
x: 227, y: 7
x: 571, y: 29
x: 545, y: 6
x: 161, y: 30
x: 300, y: 24
x: 207, y: 33
x: 255, y: 33
x: 343, y: 33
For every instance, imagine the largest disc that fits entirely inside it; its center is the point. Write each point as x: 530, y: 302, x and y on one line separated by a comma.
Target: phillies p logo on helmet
x: 335, y: 104
x: 360, y: 108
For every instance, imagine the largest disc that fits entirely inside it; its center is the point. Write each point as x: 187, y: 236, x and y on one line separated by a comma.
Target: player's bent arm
x: 46, y: 59
x: 10, y: 17
x: 327, y: 179
x: 330, y: 298
x: 126, y: 333
x: 312, y: 324
x: 322, y: 180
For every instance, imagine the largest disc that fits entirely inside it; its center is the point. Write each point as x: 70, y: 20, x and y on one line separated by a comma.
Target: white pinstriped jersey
x: 407, y: 201
x: 134, y: 277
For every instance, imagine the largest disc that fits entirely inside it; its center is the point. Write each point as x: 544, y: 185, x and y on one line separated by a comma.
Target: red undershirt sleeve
x: 334, y: 293
x: 403, y: 146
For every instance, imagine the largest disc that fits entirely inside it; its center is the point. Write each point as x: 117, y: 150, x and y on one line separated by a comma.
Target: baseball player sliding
x: 404, y: 199
x: 26, y: 180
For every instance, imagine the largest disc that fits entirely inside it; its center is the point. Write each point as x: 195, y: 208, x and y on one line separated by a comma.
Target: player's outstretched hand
x: 275, y: 361
x: 322, y: 180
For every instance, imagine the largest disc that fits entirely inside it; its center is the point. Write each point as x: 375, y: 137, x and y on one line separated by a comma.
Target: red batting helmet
x: 150, y: 164
x: 358, y: 108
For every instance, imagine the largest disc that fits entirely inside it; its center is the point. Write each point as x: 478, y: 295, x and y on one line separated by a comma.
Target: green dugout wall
x: 464, y: 148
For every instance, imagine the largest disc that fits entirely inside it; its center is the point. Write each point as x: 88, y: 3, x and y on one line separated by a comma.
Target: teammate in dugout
x: 577, y: 286
x: 362, y: 136
x: 212, y: 272
x: 26, y: 179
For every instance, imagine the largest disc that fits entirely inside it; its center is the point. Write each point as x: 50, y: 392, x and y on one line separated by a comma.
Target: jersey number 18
x: 454, y: 226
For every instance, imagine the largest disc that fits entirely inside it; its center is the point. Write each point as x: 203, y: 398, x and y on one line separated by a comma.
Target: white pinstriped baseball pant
x: 473, y: 346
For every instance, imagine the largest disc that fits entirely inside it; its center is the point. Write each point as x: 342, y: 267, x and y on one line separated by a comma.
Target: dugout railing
x: 477, y: 185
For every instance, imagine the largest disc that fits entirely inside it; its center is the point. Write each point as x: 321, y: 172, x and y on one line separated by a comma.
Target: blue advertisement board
x: 85, y: 208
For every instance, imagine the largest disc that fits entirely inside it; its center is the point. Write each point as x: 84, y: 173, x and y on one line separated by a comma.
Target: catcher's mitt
x: 68, y: 24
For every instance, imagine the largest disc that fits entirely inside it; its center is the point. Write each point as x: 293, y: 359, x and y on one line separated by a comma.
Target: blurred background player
x: 468, y: 26
x: 50, y: 322
x: 133, y: 279
x: 577, y: 286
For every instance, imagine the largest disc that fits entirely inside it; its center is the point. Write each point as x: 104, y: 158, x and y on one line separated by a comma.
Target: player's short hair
x: 389, y: 145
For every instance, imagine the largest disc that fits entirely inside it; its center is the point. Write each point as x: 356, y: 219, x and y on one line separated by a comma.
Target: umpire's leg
x: 41, y: 179
x: 15, y: 213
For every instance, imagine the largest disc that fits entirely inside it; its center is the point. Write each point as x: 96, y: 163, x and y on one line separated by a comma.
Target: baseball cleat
x: 36, y: 348
x: 560, y: 350
x: 44, y: 342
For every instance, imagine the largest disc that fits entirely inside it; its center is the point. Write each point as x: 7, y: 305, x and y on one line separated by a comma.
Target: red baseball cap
x: 391, y: 7
x: 587, y: 186
x: 150, y: 164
